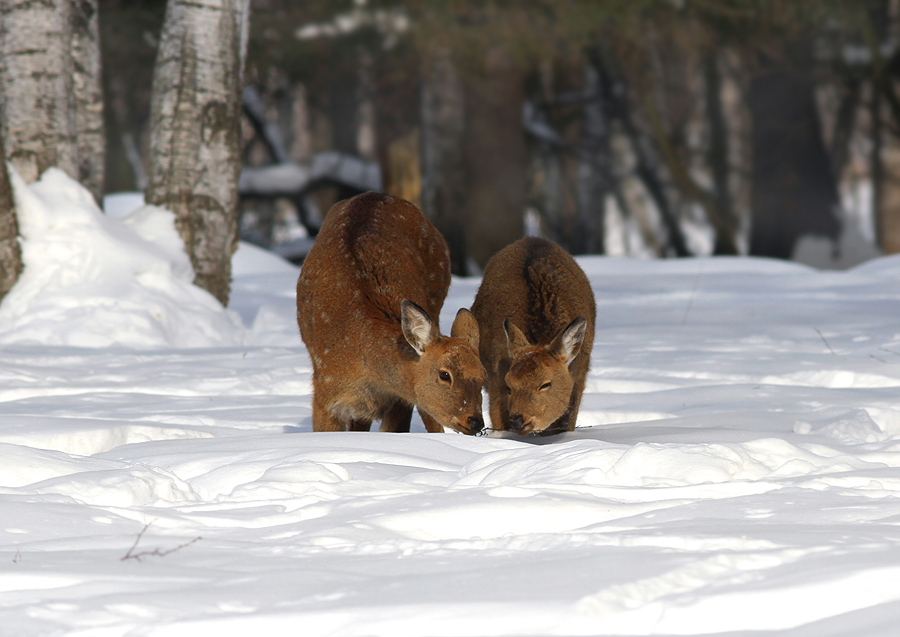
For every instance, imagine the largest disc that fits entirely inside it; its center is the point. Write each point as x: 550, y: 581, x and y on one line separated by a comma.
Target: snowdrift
x: 96, y: 281
x: 736, y: 469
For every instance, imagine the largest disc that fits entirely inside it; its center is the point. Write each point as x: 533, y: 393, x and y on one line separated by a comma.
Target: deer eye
x: 444, y: 376
x: 544, y: 387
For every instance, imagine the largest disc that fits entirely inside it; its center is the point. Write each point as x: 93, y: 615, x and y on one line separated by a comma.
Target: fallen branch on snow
x: 130, y: 555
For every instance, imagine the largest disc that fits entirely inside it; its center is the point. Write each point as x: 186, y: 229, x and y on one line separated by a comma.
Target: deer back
x: 535, y: 310
x: 377, y: 261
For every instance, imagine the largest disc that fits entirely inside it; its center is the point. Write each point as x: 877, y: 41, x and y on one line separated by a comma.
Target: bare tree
x: 594, y: 163
x: 443, y: 125
x: 10, y: 255
x: 37, y: 113
x: 648, y: 165
x: 718, y: 204
x: 195, y: 143
x: 88, y: 90
x: 794, y: 192
x: 495, y: 154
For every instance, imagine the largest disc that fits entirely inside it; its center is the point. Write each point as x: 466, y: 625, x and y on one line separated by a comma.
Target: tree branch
x: 131, y: 555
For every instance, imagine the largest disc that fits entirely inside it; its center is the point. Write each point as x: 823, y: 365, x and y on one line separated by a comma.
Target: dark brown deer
x: 368, y: 299
x: 536, y: 312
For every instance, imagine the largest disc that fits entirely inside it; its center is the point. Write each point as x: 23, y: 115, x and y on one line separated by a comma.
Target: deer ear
x: 567, y: 343
x: 465, y: 327
x: 516, y: 340
x: 417, y: 326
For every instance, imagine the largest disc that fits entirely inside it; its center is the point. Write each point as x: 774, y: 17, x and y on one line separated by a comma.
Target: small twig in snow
x: 889, y: 351
x: 824, y: 341
x: 17, y: 558
x: 690, y: 304
x: 877, y: 358
x: 155, y: 552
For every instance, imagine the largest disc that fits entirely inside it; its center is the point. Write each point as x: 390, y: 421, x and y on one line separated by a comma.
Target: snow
x: 736, y: 469
x: 93, y: 281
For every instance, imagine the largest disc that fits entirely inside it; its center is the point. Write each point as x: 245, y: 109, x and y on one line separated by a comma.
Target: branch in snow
x: 825, y: 341
x: 291, y: 179
x: 130, y: 555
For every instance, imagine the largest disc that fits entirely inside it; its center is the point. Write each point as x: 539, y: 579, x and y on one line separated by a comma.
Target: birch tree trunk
x: 195, y: 153
x: 443, y: 166
x: 10, y: 255
x: 88, y: 92
x: 37, y: 113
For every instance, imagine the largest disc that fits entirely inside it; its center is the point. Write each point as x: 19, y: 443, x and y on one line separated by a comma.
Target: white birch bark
x: 195, y: 138
x: 37, y: 115
x: 88, y: 89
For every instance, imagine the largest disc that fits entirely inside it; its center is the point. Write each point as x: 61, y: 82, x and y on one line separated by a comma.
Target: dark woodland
x: 653, y: 128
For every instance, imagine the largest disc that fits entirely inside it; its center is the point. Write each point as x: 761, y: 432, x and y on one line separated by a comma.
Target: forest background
x: 662, y: 128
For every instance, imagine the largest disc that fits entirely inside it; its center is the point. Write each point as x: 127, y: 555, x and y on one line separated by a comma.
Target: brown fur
x: 532, y: 307
x: 368, y: 300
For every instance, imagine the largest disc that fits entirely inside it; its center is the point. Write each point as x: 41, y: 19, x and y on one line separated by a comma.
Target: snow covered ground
x: 736, y: 469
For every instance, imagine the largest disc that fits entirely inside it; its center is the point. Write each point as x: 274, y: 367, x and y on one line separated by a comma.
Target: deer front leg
x: 397, y: 418
x: 432, y: 425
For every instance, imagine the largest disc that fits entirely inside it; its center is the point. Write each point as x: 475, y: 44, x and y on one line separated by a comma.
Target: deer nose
x: 476, y: 423
x: 516, y: 422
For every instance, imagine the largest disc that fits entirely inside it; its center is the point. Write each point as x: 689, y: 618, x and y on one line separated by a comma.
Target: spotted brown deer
x: 368, y: 299
x: 536, y: 312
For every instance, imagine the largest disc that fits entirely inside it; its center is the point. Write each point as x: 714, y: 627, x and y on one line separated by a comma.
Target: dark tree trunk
x: 884, y: 113
x: 344, y: 115
x: 793, y: 191
x: 876, y: 166
x: 552, y: 196
x: 844, y: 124
x: 594, y: 165
x: 496, y: 157
x: 10, y: 254
x: 443, y: 166
x: 721, y: 208
x: 195, y: 144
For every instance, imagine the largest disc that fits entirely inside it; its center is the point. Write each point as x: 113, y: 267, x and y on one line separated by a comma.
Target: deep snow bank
x: 95, y: 281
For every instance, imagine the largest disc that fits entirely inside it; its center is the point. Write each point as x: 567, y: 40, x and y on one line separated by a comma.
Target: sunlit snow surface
x: 736, y: 469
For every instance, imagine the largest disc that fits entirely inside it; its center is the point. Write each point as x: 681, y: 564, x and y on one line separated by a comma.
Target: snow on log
x: 290, y: 179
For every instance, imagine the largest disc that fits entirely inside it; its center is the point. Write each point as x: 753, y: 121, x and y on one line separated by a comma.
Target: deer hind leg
x: 322, y: 418
x: 332, y: 415
x: 397, y: 418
